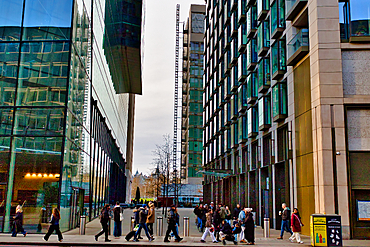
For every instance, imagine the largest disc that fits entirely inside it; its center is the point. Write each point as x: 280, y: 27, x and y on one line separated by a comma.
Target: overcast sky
x: 154, y: 109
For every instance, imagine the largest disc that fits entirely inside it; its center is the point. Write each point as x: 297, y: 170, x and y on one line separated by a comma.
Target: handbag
x: 136, y: 227
x: 121, y: 217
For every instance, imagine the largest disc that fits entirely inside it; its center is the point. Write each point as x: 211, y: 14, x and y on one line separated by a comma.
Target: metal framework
x: 176, y: 105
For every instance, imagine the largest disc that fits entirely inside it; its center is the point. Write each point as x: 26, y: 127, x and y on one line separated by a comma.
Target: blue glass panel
x: 10, y: 19
x: 360, y: 17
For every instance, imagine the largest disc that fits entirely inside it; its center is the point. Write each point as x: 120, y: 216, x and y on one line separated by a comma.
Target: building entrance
x: 77, y: 207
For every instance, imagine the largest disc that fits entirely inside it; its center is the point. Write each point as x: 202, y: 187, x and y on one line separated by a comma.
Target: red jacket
x: 296, y: 223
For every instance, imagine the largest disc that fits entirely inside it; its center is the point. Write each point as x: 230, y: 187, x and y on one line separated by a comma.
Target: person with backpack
x: 18, y: 222
x: 285, y: 221
x: 104, y: 219
x: 143, y: 215
x: 55, y: 217
x: 172, y: 218
x: 296, y: 225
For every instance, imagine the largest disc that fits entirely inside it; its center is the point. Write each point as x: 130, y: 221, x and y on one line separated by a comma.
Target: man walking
x: 143, y: 214
x: 236, y: 212
x: 172, y: 220
x: 285, y: 221
x: 117, y: 220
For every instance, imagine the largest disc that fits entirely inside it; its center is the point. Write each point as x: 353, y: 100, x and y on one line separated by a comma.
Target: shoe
x: 96, y: 238
x: 224, y: 242
x: 178, y: 240
x: 250, y: 243
x: 236, y: 242
x: 44, y: 239
x: 203, y: 241
x: 25, y: 234
x: 280, y: 238
x: 166, y: 240
x: 243, y: 241
x: 108, y: 240
x: 301, y: 242
x: 60, y: 240
x: 152, y: 238
x: 139, y: 238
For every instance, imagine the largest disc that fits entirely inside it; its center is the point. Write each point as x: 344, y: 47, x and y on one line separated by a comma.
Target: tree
x: 137, y: 197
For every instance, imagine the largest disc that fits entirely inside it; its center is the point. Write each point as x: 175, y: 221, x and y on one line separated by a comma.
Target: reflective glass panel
x: 360, y: 17
x: 43, y: 74
x: 6, y: 121
x: 39, y: 122
x: 47, y: 19
x: 10, y: 19
x: 9, y: 53
x: 4, y: 163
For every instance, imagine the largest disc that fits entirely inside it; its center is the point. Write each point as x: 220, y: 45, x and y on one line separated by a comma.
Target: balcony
x: 293, y: 8
x: 298, y: 47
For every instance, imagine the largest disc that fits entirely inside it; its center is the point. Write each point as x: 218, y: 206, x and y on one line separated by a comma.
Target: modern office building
x: 66, y: 107
x: 287, y: 106
x: 192, y: 96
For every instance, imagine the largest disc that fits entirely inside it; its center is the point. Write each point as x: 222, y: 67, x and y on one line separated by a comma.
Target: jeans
x: 104, y: 230
x: 285, y: 227
x: 199, y: 225
x: 117, y: 229
x: 142, y: 226
x: 17, y: 229
x: 51, y: 230
x: 150, y: 228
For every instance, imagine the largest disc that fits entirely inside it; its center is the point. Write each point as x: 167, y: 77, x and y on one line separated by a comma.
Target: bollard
x: 186, y: 227
x: 266, y: 227
x: 132, y: 222
x: 111, y: 226
x: 82, y: 224
x: 160, y: 226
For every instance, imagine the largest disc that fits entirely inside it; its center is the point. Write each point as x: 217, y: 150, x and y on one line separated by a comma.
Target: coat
x: 104, y: 217
x: 143, y: 215
x: 226, y: 228
x: 208, y: 220
x: 296, y: 223
x: 18, y: 220
x: 249, y: 228
x: 151, y: 215
x: 117, y: 213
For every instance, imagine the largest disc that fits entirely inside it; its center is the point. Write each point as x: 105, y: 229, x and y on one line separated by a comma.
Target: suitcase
x: 130, y: 235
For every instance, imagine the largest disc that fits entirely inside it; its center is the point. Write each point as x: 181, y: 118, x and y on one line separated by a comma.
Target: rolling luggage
x: 130, y: 235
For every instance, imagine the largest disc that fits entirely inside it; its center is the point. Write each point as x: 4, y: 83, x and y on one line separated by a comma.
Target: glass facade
x: 52, y: 154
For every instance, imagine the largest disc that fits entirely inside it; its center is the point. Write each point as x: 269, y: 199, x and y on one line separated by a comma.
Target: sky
x: 154, y: 109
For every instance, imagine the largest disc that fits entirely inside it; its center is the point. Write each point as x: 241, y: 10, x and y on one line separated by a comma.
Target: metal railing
x: 299, y: 40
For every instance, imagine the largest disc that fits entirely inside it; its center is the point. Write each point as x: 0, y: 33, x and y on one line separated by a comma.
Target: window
x: 252, y: 90
x: 251, y: 21
x: 277, y: 18
x: 264, y: 75
x: 263, y: 37
x: 242, y: 98
x: 242, y: 129
x: 252, y: 116
x: 279, y: 102
x: 242, y: 67
x: 278, y: 59
x: 10, y: 19
x: 262, y: 8
x: 264, y: 110
x: 252, y: 54
x: 344, y: 20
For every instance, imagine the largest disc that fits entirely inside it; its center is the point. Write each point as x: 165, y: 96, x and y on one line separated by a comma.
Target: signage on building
x: 363, y: 210
x: 326, y: 230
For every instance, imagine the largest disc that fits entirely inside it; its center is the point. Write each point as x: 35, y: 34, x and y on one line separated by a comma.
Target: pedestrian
x: 212, y: 206
x: 18, y: 222
x: 236, y: 212
x: 222, y: 212
x: 143, y: 215
x: 117, y: 220
x: 249, y: 227
x: 209, y: 230
x: 104, y: 219
x: 172, y: 219
x: 136, y: 212
x: 285, y: 221
x: 55, y: 217
x: 296, y: 225
x: 225, y: 230
x: 241, y: 219
x: 228, y: 215
x: 217, y: 222
x: 151, y: 218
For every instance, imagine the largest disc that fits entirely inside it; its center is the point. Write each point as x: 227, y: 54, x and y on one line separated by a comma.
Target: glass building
x: 66, y: 120
x: 192, y: 97
x: 286, y: 108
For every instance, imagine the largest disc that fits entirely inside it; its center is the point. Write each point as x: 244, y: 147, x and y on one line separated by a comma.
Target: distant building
x: 192, y: 97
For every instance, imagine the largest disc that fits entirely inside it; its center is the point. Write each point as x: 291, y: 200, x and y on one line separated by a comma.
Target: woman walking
x: 209, y: 229
x: 151, y: 218
x: 104, y: 219
x: 55, y: 217
x: 18, y: 222
x: 228, y: 215
x: 296, y: 225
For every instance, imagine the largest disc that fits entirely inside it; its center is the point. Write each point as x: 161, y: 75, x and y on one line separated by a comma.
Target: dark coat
x: 143, y: 215
x: 54, y: 220
x: 172, y: 217
x: 296, y: 223
x: 226, y: 228
x: 117, y: 214
x: 285, y: 214
x: 104, y: 217
x: 217, y: 218
x: 18, y: 220
x: 236, y: 212
x: 249, y: 228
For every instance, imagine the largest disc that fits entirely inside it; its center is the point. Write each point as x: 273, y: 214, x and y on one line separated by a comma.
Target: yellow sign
x: 319, y: 220
x: 320, y: 235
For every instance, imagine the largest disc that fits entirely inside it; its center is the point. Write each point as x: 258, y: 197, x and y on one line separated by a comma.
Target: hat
x: 144, y: 205
x: 173, y: 206
x: 249, y: 209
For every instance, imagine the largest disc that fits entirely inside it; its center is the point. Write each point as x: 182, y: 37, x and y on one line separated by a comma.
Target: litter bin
x: 186, y: 226
x: 82, y: 224
x: 160, y: 226
x: 266, y: 227
x: 326, y: 230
